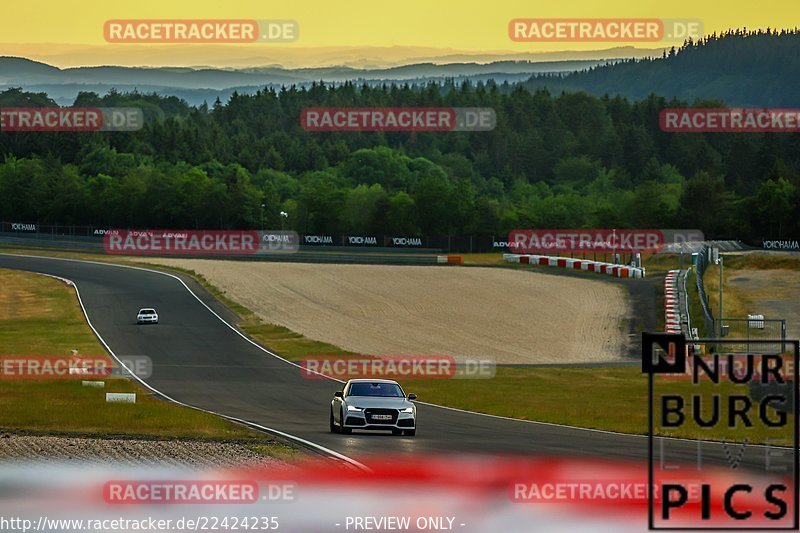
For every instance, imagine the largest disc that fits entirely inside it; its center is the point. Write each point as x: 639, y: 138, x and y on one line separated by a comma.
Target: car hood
x: 378, y: 402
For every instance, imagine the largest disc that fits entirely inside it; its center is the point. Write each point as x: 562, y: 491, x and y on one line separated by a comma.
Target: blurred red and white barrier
x: 448, y: 259
x: 671, y: 312
x: 619, y: 271
x: 464, y: 493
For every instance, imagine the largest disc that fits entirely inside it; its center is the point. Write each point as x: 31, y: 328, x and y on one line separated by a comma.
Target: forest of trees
x: 741, y: 68
x: 554, y: 161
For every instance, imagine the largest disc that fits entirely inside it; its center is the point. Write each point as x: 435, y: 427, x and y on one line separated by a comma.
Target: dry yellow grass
x: 772, y: 293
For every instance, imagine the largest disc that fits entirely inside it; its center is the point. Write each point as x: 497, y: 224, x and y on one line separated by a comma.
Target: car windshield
x: 387, y: 390
x: 147, y: 312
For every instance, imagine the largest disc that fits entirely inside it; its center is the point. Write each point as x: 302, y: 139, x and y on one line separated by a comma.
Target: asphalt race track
x: 200, y: 360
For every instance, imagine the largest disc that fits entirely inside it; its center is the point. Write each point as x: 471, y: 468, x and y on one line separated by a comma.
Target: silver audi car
x: 375, y: 404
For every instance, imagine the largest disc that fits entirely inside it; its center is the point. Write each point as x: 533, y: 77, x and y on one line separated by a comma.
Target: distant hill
x: 738, y: 68
x: 228, y: 56
x: 196, y: 85
x: 21, y: 68
x: 760, y: 69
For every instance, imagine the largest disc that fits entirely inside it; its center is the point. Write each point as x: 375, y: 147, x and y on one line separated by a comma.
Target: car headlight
x: 407, y: 410
x: 351, y: 408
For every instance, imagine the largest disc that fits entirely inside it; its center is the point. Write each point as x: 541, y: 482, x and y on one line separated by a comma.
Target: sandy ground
x: 775, y: 293
x: 514, y: 316
x: 15, y: 448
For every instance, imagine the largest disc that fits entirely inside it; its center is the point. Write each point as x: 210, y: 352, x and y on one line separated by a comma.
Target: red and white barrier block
x: 448, y: 259
x: 671, y: 312
x: 619, y: 271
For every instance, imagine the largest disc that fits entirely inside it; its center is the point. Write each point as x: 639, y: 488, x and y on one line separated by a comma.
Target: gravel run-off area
x: 514, y: 316
x: 134, y: 452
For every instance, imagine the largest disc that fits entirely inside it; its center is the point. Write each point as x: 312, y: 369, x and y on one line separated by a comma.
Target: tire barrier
x: 619, y: 271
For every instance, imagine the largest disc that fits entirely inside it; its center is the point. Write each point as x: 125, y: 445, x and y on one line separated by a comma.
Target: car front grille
x: 369, y: 413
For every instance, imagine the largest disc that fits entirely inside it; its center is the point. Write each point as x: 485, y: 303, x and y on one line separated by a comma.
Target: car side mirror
x: 337, y: 394
x: 412, y: 396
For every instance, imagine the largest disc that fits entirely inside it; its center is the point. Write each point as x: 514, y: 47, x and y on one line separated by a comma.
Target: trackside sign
x: 791, y: 246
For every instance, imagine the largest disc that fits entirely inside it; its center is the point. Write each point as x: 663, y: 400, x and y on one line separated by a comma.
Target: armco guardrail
x: 94, y: 245
x: 452, y: 244
x: 702, y: 263
x: 619, y: 271
x: 697, y: 246
x: 683, y: 299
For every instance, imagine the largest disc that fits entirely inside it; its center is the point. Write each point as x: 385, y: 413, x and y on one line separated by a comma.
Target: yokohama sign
x: 793, y: 246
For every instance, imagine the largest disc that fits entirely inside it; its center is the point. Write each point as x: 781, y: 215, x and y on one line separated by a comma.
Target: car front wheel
x: 334, y: 429
x: 342, y: 429
x: 411, y: 432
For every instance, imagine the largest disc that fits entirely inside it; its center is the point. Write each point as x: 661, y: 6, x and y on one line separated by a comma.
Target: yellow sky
x: 476, y: 25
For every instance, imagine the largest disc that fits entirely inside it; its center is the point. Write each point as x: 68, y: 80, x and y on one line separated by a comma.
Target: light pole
x: 614, y: 239
x: 719, y: 263
x: 262, y: 216
x: 284, y: 215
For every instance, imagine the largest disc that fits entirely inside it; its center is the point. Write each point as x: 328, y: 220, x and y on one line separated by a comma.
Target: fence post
x: 783, y: 336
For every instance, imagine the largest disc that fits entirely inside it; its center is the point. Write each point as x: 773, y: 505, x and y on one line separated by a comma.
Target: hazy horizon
x: 293, y: 57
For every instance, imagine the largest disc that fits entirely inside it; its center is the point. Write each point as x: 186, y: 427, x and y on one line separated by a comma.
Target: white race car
x: 373, y: 404
x: 147, y: 316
